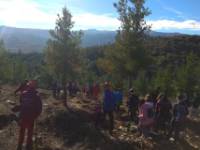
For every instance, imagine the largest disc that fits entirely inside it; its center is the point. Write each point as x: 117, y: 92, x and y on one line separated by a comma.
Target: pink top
x: 144, y: 120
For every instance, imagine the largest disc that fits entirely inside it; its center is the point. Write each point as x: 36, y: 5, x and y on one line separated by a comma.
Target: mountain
x: 34, y: 40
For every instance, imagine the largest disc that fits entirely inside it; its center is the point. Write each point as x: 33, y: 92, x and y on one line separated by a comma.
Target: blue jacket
x: 118, y: 96
x: 108, y: 101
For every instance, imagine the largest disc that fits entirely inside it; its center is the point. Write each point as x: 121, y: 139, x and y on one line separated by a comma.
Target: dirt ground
x: 61, y: 129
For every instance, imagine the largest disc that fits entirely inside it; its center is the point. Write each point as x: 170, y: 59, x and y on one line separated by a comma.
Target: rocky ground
x: 61, y: 129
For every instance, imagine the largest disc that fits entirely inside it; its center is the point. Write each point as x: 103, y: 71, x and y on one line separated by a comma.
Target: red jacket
x: 31, y: 105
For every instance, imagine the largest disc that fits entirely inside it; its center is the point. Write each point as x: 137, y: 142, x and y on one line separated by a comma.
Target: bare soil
x: 59, y: 128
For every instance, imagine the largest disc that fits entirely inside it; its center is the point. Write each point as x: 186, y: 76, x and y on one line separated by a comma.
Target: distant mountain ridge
x: 34, y: 40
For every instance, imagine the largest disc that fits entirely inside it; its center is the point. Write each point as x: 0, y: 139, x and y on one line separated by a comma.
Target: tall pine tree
x: 62, y: 53
x: 129, y: 54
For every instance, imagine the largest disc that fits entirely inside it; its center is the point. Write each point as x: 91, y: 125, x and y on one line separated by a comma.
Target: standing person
x: 96, y: 91
x: 180, y: 112
x: 133, y: 103
x: 146, y: 116
x: 163, y: 112
x: 109, y: 105
x: 30, y: 109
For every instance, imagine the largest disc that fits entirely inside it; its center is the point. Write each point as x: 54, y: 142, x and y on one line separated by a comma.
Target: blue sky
x: 167, y: 15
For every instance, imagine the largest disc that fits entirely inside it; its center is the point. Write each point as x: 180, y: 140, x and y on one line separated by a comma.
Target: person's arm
x: 18, y: 89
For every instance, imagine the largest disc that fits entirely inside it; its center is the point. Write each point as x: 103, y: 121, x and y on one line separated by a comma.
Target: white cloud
x: 171, y: 24
x: 23, y: 13
x: 102, y: 22
x: 29, y: 14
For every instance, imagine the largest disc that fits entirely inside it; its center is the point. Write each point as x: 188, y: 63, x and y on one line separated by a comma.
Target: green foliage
x: 62, y: 52
x: 128, y: 54
x: 187, y: 75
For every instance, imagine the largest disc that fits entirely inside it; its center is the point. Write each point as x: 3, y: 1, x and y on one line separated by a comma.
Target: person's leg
x: 177, y: 130
x: 172, y: 128
x: 29, y: 142
x: 21, y: 137
x: 135, y: 116
x: 131, y: 114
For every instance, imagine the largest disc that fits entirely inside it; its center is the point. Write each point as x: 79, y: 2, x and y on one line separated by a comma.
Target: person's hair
x: 180, y: 97
x: 147, y: 97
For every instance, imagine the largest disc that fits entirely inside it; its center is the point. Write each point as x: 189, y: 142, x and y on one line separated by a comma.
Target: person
x: 95, y: 91
x: 133, y: 103
x: 146, y: 116
x: 163, y: 112
x: 118, y: 96
x: 180, y: 112
x: 109, y: 105
x: 30, y: 109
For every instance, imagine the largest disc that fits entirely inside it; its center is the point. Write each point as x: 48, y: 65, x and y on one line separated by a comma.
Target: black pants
x: 111, y: 119
x: 133, y: 114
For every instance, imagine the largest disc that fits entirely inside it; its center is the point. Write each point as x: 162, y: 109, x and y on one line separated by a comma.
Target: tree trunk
x: 64, y: 92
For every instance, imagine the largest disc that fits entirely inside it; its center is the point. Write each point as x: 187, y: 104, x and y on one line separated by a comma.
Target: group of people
x: 151, y: 114
x: 57, y: 89
x: 154, y: 112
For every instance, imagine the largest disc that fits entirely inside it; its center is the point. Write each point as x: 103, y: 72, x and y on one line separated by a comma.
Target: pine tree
x: 129, y: 53
x: 62, y: 53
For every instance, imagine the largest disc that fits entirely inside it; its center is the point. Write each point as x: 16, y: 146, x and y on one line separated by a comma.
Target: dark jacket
x: 31, y: 105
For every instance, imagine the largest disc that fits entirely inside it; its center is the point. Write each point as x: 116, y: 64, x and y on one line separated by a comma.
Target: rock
x: 171, y: 139
x: 10, y: 102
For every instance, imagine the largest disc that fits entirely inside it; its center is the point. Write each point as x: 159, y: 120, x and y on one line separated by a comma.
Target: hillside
x: 61, y: 129
x: 34, y: 40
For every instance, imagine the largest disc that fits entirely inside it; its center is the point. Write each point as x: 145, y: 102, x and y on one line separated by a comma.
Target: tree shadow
x: 5, y: 120
x: 76, y: 128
